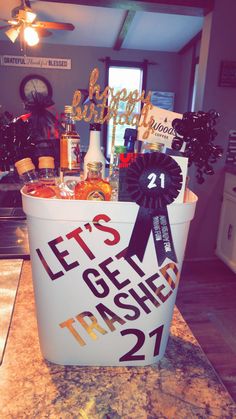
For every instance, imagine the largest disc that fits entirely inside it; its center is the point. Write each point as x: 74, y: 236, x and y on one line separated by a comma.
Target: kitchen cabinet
x: 226, y: 239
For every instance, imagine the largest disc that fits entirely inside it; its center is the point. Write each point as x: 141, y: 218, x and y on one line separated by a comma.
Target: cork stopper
x: 46, y: 162
x: 24, y: 165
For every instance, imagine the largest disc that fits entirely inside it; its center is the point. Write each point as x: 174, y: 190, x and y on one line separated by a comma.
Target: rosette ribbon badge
x: 153, y: 181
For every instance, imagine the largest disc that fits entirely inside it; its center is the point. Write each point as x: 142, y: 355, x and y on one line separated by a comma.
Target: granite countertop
x: 182, y: 385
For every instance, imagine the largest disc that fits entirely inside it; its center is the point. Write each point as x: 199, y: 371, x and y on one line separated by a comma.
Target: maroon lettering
x: 105, y: 312
x: 146, y: 297
x: 129, y: 356
x: 131, y: 262
x: 118, y: 302
x: 164, y: 271
x: 112, y: 275
x: 115, y: 234
x: 75, y: 234
x: 61, y: 255
x: 158, y: 290
x: 103, y: 289
x: 158, y: 332
x: 47, y: 268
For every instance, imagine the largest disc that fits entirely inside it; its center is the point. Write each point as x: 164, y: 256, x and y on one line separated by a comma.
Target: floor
x: 207, y: 301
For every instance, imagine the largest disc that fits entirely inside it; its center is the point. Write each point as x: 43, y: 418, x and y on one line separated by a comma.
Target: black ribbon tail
x: 140, y: 234
x: 162, y: 236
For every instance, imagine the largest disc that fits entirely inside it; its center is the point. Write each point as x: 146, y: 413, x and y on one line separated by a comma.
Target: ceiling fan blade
x: 3, y: 20
x: 43, y: 33
x: 5, y: 27
x: 56, y: 25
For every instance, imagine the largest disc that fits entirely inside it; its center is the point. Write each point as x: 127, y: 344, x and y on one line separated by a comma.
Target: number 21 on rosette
x: 153, y: 181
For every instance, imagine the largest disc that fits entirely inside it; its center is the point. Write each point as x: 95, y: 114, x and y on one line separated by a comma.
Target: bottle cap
x: 46, y: 162
x: 130, y: 132
x: 68, y: 109
x: 95, y: 127
x: 120, y: 149
x: 95, y: 165
x: 24, y: 165
x: 154, y: 146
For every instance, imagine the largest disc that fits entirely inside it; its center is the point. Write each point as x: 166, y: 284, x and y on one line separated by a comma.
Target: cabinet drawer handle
x: 230, y: 232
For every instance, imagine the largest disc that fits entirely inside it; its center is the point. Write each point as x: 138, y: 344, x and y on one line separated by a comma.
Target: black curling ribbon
x: 153, y: 182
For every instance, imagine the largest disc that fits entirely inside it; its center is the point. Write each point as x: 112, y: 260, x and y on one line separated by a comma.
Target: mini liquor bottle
x: 93, y: 187
x: 94, y: 152
x: 33, y: 186
x: 46, y: 170
x: 70, y: 149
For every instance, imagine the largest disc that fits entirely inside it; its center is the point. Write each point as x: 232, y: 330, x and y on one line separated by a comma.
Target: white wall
x: 218, y: 43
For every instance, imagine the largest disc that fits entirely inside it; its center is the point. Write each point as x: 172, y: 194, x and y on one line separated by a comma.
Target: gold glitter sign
x: 108, y: 104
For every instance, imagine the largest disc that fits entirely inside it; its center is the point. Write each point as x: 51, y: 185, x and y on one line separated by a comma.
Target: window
x: 129, y: 76
x: 194, y: 87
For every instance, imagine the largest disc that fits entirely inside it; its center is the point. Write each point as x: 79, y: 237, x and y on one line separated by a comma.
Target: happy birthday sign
x: 108, y: 104
x: 101, y: 112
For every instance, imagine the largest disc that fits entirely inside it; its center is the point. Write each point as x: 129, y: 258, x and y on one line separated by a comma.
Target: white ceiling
x: 100, y: 26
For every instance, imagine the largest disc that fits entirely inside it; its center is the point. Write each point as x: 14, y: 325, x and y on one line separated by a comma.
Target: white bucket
x: 93, y: 306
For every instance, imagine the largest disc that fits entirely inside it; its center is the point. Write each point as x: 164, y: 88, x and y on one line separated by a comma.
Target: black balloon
x: 16, y: 142
x: 196, y: 130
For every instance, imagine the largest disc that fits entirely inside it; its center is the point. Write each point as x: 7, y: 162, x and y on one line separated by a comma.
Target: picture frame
x: 227, y: 76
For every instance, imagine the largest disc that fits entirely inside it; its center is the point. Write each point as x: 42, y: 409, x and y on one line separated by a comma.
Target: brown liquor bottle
x: 70, y: 149
x: 93, y: 187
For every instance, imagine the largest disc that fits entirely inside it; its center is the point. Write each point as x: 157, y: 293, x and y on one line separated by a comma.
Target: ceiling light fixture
x: 31, y: 36
x: 27, y: 15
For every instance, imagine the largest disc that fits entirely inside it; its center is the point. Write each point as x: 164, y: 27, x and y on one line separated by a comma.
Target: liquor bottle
x: 70, y: 149
x: 114, y: 176
x: 93, y: 187
x: 130, y: 136
x: 33, y: 186
x: 94, y: 153
x: 46, y: 170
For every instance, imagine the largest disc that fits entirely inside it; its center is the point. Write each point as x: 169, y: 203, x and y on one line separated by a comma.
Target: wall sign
x: 159, y: 126
x: 227, y: 74
x: 37, y: 62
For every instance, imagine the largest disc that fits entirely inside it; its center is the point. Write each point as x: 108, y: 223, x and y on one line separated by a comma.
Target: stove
x: 13, y: 226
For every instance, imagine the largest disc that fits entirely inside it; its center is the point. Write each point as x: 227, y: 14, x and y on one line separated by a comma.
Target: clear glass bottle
x: 29, y: 176
x: 114, y: 177
x: 94, y: 153
x: 93, y: 187
x: 70, y: 149
x: 46, y: 170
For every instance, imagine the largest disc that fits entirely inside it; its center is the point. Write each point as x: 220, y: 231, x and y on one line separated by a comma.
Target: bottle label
x: 73, y: 154
x: 96, y: 196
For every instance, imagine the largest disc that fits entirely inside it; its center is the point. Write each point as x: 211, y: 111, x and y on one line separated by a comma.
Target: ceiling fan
x: 24, y: 22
